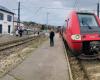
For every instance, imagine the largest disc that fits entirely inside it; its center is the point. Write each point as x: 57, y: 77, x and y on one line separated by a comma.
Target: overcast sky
x: 57, y: 10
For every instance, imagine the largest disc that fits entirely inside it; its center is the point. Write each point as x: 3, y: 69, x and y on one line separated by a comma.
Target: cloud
x: 90, y: 4
x: 36, y: 10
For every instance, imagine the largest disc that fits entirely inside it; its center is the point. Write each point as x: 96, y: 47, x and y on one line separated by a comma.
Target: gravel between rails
x: 84, y: 69
x: 92, y: 67
x: 76, y: 68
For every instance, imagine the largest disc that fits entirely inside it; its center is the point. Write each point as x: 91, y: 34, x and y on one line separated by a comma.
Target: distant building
x: 6, y: 21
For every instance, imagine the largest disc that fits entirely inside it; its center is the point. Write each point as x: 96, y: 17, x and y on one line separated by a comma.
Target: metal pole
x: 47, y: 19
x: 18, y: 21
x: 98, y: 9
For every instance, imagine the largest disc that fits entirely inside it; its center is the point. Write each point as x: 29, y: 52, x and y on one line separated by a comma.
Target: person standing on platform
x: 52, y: 34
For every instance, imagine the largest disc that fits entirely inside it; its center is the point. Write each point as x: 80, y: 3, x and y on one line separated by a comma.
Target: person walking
x: 52, y: 34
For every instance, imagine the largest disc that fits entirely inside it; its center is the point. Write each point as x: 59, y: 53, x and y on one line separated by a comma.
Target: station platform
x: 45, y: 63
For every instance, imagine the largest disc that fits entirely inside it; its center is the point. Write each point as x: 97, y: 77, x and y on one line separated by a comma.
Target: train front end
x: 89, y: 34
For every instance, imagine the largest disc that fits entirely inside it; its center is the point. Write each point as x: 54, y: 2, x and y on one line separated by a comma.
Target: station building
x: 6, y: 21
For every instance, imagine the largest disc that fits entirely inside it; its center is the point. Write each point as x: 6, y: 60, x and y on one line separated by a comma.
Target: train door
x: 0, y: 28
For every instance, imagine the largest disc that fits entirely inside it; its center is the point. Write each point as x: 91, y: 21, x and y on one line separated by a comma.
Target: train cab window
x: 88, y: 22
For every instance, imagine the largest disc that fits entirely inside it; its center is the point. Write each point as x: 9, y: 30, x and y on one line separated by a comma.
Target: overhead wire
x: 75, y: 4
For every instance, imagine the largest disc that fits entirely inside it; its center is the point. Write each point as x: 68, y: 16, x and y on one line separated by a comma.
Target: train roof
x: 82, y: 12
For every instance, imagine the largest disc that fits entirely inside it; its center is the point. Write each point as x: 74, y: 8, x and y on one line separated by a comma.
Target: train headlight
x: 76, y: 37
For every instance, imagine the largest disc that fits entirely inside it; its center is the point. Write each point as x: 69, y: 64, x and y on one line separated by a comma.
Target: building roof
x: 2, y: 8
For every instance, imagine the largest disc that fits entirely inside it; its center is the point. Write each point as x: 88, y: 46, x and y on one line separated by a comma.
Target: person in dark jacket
x: 52, y: 34
x: 20, y: 32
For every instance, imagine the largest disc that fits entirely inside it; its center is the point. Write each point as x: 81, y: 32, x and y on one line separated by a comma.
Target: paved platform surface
x: 45, y: 63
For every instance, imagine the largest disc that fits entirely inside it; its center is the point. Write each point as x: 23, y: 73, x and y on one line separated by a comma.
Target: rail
x: 11, y: 44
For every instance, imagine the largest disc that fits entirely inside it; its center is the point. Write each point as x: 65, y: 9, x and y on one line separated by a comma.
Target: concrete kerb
x: 68, y: 64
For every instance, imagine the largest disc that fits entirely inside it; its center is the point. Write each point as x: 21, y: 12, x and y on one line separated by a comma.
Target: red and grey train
x: 82, y: 33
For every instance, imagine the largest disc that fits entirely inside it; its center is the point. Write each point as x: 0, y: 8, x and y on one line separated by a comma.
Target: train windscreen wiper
x: 88, y: 26
x: 85, y: 23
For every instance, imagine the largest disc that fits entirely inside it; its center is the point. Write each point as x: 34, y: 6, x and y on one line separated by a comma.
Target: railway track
x: 92, y: 69
x: 13, y: 54
x: 10, y: 44
x: 16, y: 46
x: 83, y: 69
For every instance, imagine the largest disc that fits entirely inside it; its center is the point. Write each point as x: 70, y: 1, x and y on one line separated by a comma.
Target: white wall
x: 5, y: 23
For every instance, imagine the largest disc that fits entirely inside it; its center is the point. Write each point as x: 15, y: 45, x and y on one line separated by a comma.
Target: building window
x: 1, y: 16
x: 9, y: 18
x: 0, y: 28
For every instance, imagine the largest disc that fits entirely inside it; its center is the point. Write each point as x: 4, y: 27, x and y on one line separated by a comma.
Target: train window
x: 88, y: 23
x: 87, y: 20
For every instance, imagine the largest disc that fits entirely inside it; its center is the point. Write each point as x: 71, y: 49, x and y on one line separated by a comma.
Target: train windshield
x: 88, y: 23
